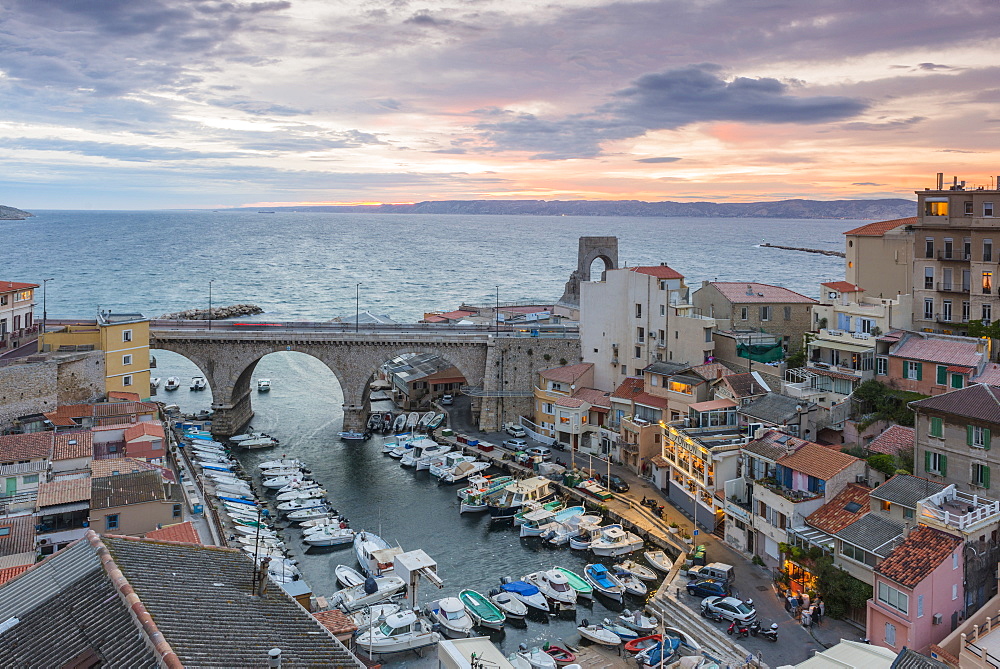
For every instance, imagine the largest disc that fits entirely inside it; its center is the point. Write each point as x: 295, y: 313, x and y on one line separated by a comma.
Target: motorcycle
x: 711, y: 615
x: 739, y: 628
x: 771, y: 633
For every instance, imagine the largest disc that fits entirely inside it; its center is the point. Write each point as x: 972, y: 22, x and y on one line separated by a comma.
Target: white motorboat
x: 308, y: 493
x: 571, y: 529
x: 527, y: 593
x: 263, y: 551
x: 637, y: 570
x: 505, y: 504
x: 348, y: 577
x: 284, y: 462
x: 263, y: 385
x: 638, y: 622
x: 173, y: 383
x: 463, y: 470
x: 320, y: 522
x: 430, y: 454
x: 235, y: 491
x: 309, y: 514
x: 633, y: 584
x: 659, y: 561
x: 448, y: 461
x: 155, y: 382
x: 371, y: 615
x: 536, y: 522
x: 267, y: 542
x: 262, y: 441
x: 614, y: 541
x: 603, y: 581
x: 598, y: 634
x: 282, y: 481
x: 421, y: 448
x: 351, y: 435
x: 537, y: 526
x: 282, y: 471
x: 198, y: 383
x: 374, y: 553
x: 328, y: 535
x: 303, y: 484
x: 253, y: 531
x: 402, y: 631
x: 511, y: 606
x: 399, y: 424
x: 451, y: 614
x: 535, y: 658
x: 372, y: 591
x: 425, y: 420
x: 403, y: 447
x: 412, y: 420
x: 555, y: 586
x: 297, y: 504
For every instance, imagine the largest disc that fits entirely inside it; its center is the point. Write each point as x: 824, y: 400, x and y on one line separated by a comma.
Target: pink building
x: 918, y: 591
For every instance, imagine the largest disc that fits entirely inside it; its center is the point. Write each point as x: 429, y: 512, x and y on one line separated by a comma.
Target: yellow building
x: 124, y: 338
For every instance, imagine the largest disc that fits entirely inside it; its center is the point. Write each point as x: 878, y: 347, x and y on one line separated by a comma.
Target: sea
x: 318, y: 266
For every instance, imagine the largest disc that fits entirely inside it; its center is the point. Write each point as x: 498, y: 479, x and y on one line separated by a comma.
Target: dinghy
x: 604, y: 581
x: 399, y: 424
x: 633, y: 586
x: 598, y: 634
x: 527, y: 593
x: 659, y: 561
x: 509, y: 605
x: 560, y: 655
x: 622, y: 632
x: 636, y: 621
x: 348, y: 577
x: 535, y: 658
x: 483, y: 611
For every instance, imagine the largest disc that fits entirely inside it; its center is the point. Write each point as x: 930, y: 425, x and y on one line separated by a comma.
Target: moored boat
x: 659, y: 561
x: 173, y: 383
x: 198, y: 383
x: 555, y: 586
x: 329, y: 535
x: 482, y: 610
x: 401, y: 631
x: 578, y: 583
x: 509, y: 605
x: 614, y: 541
x: 637, y: 570
x: 374, y: 553
x: 436, y: 422
x: 598, y: 634
x: 425, y: 420
x: 263, y: 385
x: 638, y: 622
x: 399, y: 424
x: 604, y: 581
x: 527, y: 593
x: 535, y: 658
x: 561, y: 655
x: 642, y: 643
x: 450, y: 613
x: 372, y: 591
x: 348, y: 577
x: 504, y: 504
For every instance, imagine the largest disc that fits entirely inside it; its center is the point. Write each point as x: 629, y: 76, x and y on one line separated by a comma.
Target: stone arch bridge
x: 501, y: 364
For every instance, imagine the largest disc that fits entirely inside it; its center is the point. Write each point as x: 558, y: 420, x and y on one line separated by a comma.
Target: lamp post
x: 210, y: 303
x: 357, y: 307
x: 45, y: 313
x: 497, y: 314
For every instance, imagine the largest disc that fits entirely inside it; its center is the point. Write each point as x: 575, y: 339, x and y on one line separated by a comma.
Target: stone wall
x: 35, y: 387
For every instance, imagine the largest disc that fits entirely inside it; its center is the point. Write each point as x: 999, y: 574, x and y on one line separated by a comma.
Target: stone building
x: 880, y: 257
x: 757, y: 307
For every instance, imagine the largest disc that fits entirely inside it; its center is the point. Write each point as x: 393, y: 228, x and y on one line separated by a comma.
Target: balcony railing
x: 789, y: 493
x: 949, y: 319
x: 956, y: 256
x: 946, y: 287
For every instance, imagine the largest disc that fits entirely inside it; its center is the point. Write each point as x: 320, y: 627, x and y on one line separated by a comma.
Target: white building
x: 17, y: 306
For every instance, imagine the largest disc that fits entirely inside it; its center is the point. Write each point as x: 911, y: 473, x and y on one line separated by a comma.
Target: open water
x: 306, y: 267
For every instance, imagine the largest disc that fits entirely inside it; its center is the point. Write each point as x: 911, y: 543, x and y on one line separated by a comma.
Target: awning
x: 813, y: 536
x: 848, y: 346
x: 63, y: 508
x: 713, y: 405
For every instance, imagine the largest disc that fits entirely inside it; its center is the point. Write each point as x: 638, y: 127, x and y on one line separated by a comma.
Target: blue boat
x: 527, y: 593
x: 218, y: 468
x: 662, y: 653
x: 238, y: 500
x: 604, y: 582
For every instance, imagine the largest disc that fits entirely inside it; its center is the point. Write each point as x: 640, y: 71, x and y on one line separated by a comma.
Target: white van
x: 714, y: 570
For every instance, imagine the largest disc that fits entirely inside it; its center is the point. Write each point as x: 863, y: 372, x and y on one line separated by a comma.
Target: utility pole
x: 357, y: 308
x: 45, y: 313
x: 210, y: 303
x: 497, y: 314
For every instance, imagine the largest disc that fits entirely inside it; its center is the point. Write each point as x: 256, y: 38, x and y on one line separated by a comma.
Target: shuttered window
x: 937, y: 427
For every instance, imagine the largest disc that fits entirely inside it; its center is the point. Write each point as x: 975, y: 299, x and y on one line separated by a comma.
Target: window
x: 957, y: 381
x: 946, y: 276
x: 954, y: 592
x: 638, y: 351
x: 126, y: 360
x: 980, y: 475
x: 547, y: 408
x: 788, y: 313
x: 662, y: 336
x: 942, y: 375
x: 126, y: 335
x: 4, y: 531
x: 663, y: 310
x: 32, y: 478
x: 638, y: 311
x: 708, y: 335
x: 937, y: 427
x: 966, y: 311
x: 928, y: 277
x: 987, y: 282
x: 881, y: 366
x: 893, y: 598
x: 928, y: 308
x: 968, y: 209
x: 854, y: 553
x: 920, y: 606
x: 949, y: 247
x: 936, y: 463
x: 744, y: 313
x: 987, y: 313
x: 765, y: 313
x: 177, y: 510
x: 913, y: 370
x: 967, y: 248
x: 954, y: 561
x: 935, y: 208
x: 929, y: 247
x: 977, y: 437
x: 653, y: 380
x: 678, y: 387
x: 111, y: 521
x: 640, y: 335
x: 865, y: 325
x: 946, y: 311
x: 987, y: 250
x: 890, y: 635
x: 127, y: 380
x: 987, y: 208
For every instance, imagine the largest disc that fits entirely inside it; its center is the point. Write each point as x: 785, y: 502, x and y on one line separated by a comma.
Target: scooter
x: 711, y: 615
x: 739, y: 628
x: 771, y: 633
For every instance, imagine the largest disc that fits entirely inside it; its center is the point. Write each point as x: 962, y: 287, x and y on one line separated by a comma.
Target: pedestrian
x: 820, y: 610
x: 793, y: 606
x: 806, y: 618
x: 805, y: 600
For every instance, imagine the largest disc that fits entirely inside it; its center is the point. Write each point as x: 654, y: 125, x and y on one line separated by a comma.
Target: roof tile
x: 658, y: 271
x: 71, y: 445
x: 21, y: 538
x: 25, y: 446
x: 942, y: 349
x: 897, y: 439
x: 819, y: 461
x: 181, y: 532
x: 7, y: 286
x: 11, y: 572
x: 132, y: 488
x: 594, y: 397
x: 920, y: 554
x: 336, y: 621
x: 629, y: 388
x: 850, y: 504
x: 843, y: 286
x: 567, y: 373
x: 978, y: 402
x: 879, y: 228
x: 62, y: 491
x: 743, y: 292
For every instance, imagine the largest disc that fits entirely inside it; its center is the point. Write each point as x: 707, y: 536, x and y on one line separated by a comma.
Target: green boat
x: 583, y: 589
x: 482, y: 610
x: 556, y: 505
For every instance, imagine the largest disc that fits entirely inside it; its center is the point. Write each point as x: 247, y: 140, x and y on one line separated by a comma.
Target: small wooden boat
x: 633, y: 586
x: 604, y: 581
x: 622, y: 632
x: 634, y: 620
x: 560, y: 655
x: 598, y: 634
x: 659, y: 561
x: 509, y: 605
x: 436, y: 422
x: 637, y: 570
x: 348, y: 577
x: 578, y: 583
x: 642, y: 643
x: 426, y: 419
x: 483, y: 611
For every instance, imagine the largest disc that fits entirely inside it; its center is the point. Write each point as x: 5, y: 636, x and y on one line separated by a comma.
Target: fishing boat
x: 448, y: 462
x: 473, y: 503
x: 429, y: 454
x: 283, y: 462
x: 604, y: 581
x: 374, y: 553
x: 399, y: 424
x: 372, y: 591
x: 555, y: 586
x: 463, y: 470
x: 636, y: 621
x: 198, y: 383
x: 535, y: 522
x: 450, y: 613
x: 559, y: 517
x: 401, y: 631
x: 659, y: 561
x: 484, y: 484
x: 420, y: 449
x: 598, y: 634
x: 633, y: 584
x: 425, y: 420
x: 637, y: 570
x: 262, y: 441
x: 509, y: 605
x: 642, y: 643
x: 436, y: 422
x: 503, y: 504
x: 614, y: 541
x: 561, y: 655
x: 535, y: 658
x: 348, y: 577
x: 622, y: 632
x: 328, y: 535
x: 482, y: 610
x: 173, y: 383
x: 154, y: 382
x: 373, y: 615
x: 527, y: 593
x: 594, y: 489
x: 351, y: 435
x: 263, y: 385
x: 578, y: 583
x: 529, y: 507
x: 412, y: 419
x: 299, y: 504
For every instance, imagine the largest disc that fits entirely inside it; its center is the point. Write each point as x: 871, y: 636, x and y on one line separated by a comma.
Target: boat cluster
x: 422, y: 453
x: 386, y: 423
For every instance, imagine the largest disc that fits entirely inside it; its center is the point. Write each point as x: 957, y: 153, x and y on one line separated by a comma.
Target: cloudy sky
x: 126, y: 104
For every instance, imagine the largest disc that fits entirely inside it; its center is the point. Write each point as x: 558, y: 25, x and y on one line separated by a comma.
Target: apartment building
x: 931, y: 364
x: 880, y: 257
x: 757, y: 307
x: 17, y: 320
x: 955, y: 263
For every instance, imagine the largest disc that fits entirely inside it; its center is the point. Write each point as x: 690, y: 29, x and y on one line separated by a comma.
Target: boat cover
x: 653, y: 656
x: 600, y: 574
x: 238, y: 500
x: 520, y: 588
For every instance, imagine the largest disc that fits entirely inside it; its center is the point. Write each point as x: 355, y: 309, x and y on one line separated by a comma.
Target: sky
x: 125, y: 104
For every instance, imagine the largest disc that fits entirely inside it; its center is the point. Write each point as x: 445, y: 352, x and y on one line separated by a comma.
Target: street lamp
x: 357, y: 307
x: 497, y: 314
x: 210, y: 303
x: 45, y: 313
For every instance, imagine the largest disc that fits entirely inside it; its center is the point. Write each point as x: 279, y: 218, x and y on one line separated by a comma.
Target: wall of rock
x: 35, y: 387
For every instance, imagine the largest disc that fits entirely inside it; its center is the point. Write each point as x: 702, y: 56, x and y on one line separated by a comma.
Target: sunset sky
x: 140, y: 104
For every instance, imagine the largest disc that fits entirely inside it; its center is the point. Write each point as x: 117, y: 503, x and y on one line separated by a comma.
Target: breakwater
x: 822, y: 252
x: 216, y: 314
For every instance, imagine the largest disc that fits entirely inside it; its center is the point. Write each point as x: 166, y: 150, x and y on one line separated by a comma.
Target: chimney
x: 940, y: 181
x: 274, y: 658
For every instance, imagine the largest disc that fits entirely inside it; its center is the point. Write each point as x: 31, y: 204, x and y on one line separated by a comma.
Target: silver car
x: 729, y: 608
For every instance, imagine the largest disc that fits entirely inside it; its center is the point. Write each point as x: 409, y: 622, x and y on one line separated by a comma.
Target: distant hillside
x: 12, y: 214
x: 853, y: 209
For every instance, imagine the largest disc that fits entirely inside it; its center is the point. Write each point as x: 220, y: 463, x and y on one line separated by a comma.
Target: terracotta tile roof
x: 149, y: 428
x: 897, y: 439
x: 7, y: 286
x: 123, y: 396
x: 123, y: 408
x: 629, y: 388
x: 659, y: 271
x: 15, y: 447
x: 990, y: 375
x: 744, y: 385
x: 71, y: 445
x: 648, y: 400
x: 843, y: 286
x: 11, y: 572
x: 134, y: 488
x: 62, y: 491
x: 879, y: 228
x: 979, y: 402
x: 595, y: 397
x: 183, y: 532
x: 452, y: 315
x: 920, y: 553
x: 736, y: 292
x: 336, y: 621
x: 568, y: 373
x: 943, y: 349
x: 819, y: 461
x: 712, y: 370
x: 434, y: 319
x: 850, y: 504
x: 832, y: 375
x: 126, y: 465
x: 21, y: 538
x: 660, y: 461
x: 569, y: 402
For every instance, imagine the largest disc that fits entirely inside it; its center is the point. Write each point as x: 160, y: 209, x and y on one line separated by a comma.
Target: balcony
x: 958, y: 510
x: 954, y: 256
x: 788, y: 493
x: 949, y: 319
x: 943, y: 287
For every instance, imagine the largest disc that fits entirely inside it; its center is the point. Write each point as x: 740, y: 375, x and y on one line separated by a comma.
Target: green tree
x: 841, y: 591
x: 884, y: 463
x: 874, y: 402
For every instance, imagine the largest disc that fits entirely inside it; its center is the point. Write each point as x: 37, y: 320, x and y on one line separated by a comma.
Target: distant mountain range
x: 851, y: 209
x: 12, y: 214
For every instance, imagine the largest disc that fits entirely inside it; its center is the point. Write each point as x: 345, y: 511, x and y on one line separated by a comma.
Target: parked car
x: 447, y: 399
x: 543, y: 451
x: 515, y: 430
x: 708, y: 587
x: 729, y: 608
x: 614, y: 482
x: 515, y: 444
